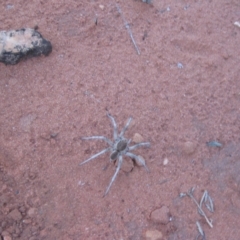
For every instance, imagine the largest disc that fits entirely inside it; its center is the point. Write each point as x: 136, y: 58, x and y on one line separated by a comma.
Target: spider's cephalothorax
x: 118, y: 148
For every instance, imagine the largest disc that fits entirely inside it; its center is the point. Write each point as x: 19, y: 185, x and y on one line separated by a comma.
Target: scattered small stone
x: 31, y: 212
x: 16, y: 44
x: 153, y: 235
x: 7, y: 238
x: 9, y: 6
x: 27, y: 221
x: 160, y: 215
x: 165, y: 161
x: 101, y: 6
x: 81, y: 183
x: 179, y: 65
x: 4, y: 186
x: 182, y: 194
x: 22, y: 209
x: 15, y: 215
x: 35, y: 230
x: 137, y: 138
x: 33, y: 238
x: 237, y: 24
x: 186, y: 7
x: 189, y: 147
x: 3, y: 224
x: 17, y: 231
x: 26, y: 121
x: 11, y: 229
x: 43, y: 233
x: 5, y: 233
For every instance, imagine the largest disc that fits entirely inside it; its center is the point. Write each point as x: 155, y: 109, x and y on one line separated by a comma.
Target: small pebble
x: 15, y: 215
x: 179, y: 65
x: 101, y: 6
x: 11, y: 230
x: 137, y: 138
x: 153, y: 235
x: 165, y: 161
x: 237, y: 24
x: 3, y: 224
x: 22, y: 209
x: 44, y: 233
x: 31, y: 212
x: 5, y: 233
x: 189, y: 147
x: 27, y: 221
x: 33, y: 238
x: 9, y: 6
x: 7, y: 238
x: 161, y: 215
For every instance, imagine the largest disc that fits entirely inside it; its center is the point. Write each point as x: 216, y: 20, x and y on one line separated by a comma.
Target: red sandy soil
x: 182, y: 91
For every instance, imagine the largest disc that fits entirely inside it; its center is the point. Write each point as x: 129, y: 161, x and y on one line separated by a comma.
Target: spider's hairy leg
x: 95, y: 156
x: 138, y: 159
x: 125, y: 127
x: 142, y: 144
x: 120, y: 160
x: 114, y: 125
x: 98, y: 138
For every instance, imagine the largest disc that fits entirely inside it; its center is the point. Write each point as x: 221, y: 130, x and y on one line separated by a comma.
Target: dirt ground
x: 182, y: 90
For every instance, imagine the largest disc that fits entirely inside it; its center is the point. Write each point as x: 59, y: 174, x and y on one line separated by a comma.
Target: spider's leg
x: 114, y: 125
x: 125, y: 127
x: 147, y: 144
x: 120, y: 160
x: 96, y: 155
x: 100, y: 138
x: 138, y: 159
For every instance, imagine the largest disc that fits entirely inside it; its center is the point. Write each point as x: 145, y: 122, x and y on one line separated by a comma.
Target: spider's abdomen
x: 114, y: 155
x: 121, y: 145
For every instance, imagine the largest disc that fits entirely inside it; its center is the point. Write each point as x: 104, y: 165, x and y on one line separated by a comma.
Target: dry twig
x: 128, y: 29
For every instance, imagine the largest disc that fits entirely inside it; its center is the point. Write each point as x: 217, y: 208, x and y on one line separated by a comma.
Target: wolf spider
x: 119, y: 147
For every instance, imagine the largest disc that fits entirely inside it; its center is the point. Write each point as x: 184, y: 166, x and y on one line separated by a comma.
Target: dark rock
x: 16, y: 44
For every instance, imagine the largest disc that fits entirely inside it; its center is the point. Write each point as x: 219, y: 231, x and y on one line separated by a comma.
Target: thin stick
x: 128, y: 29
x: 202, y: 199
x: 199, y: 208
x: 201, y: 232
x: 209, y: 205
